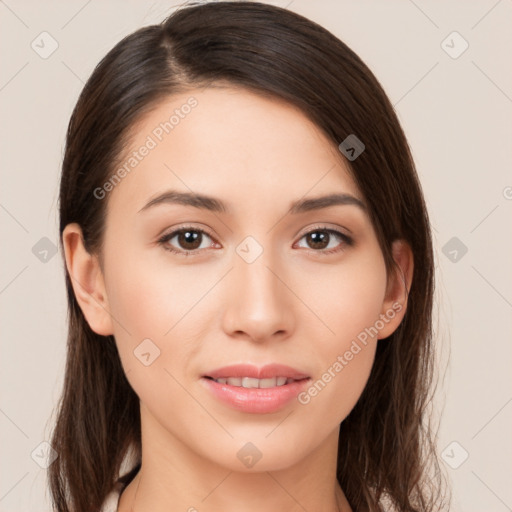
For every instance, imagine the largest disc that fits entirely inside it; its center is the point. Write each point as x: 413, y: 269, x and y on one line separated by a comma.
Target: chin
x: 259, y: 453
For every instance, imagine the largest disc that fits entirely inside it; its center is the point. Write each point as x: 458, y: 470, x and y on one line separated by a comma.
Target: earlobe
x: 398, y: 286
x: 87, y: 281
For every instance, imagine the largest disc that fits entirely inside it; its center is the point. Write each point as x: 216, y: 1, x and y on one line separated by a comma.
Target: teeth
x: 269, y: 383
x: 250, y: 382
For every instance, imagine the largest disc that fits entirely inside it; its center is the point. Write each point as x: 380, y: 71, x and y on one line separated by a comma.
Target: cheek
x: 348, y: 297
x: 169, y: 305
x: 152, y: 343
x: 350, y: 302
x: 149, y: 296
x: 149, y: 303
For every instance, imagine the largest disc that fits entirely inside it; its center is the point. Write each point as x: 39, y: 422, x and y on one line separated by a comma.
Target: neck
x: 172, y: 478
x: 231, y: 493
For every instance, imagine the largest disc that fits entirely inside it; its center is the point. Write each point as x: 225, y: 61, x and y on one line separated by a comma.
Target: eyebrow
x: 213, y: 204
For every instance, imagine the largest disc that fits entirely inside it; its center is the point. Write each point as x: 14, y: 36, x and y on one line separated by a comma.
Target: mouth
x: 255, y: 390
x: 250, y: 374
x: 250, y: 382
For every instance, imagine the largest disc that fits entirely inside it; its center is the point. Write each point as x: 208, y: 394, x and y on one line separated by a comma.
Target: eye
x: 188, y: 239
x: 321, y: 238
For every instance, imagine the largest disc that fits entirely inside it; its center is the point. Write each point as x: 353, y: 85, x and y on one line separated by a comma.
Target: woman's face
x: 269, y: 279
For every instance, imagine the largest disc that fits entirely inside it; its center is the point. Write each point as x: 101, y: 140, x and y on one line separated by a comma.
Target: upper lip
x: 264, y: 372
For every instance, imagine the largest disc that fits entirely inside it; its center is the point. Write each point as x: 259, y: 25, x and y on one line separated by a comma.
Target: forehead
x: 230, y: 143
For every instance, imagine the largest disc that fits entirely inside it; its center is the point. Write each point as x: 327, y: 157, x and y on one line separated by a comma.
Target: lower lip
x: 255, y: 400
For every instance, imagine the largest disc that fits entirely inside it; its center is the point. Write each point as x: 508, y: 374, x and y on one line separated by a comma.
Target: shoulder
x: 111, y: 502
x: 112, y: 499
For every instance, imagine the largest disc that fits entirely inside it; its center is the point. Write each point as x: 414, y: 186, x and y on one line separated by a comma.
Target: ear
x: 87, y: 281
x: 397, y: 291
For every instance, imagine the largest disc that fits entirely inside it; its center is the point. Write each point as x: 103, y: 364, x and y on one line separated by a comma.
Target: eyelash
x: 165, y: 238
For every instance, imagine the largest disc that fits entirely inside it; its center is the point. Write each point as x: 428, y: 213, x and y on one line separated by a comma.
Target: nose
x: 259, y: 304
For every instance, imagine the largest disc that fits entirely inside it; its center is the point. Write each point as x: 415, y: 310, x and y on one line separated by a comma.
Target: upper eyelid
x: 325, y: 226
x: 175, y: 231
x: 306, y: 231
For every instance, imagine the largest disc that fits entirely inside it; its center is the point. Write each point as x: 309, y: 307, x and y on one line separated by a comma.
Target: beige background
x: 457, y: 114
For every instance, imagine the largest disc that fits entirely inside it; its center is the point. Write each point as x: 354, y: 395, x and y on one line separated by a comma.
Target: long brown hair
x: 387, y: 453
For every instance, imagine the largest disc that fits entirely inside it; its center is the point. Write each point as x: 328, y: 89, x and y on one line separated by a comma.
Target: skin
x: 294, y: 304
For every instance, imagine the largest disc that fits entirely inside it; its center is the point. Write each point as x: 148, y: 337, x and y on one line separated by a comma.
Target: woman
x: 250, y: 277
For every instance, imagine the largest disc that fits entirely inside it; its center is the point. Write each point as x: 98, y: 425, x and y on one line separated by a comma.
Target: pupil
x: 190, y: 238
x: 319, y: 239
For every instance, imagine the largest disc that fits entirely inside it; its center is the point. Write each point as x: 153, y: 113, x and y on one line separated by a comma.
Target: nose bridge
x: 260, y: 303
